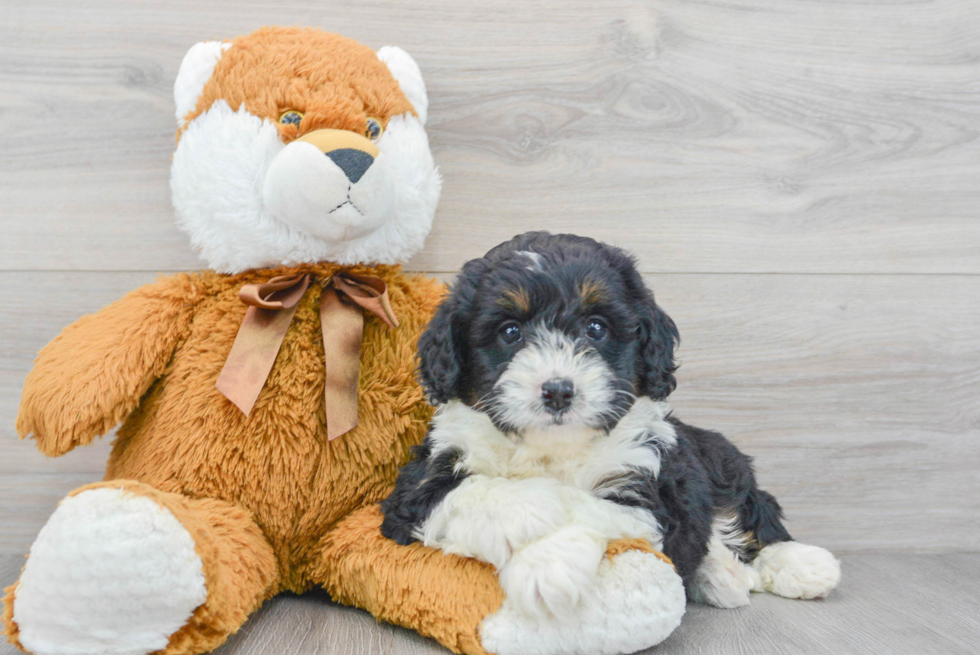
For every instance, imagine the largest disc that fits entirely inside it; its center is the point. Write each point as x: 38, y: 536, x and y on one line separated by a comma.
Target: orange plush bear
x: 267, y: 403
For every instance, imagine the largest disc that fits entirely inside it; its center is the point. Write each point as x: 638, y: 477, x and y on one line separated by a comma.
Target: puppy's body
x: 551, y: 362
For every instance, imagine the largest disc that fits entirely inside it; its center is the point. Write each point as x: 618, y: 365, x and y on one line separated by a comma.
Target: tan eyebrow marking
x: 592, y: 292
x: 516, y: 298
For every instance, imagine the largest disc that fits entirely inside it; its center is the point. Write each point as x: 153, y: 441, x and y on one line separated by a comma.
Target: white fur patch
x: 110, y: 573
x: 796, y: 570
x: 534, y: 507
x: 728, y: 530
x: 587, y: 459
x: 216, y: 181
x: 491, y: 518
x: 405, y: 145
x: 635, y: 601
x: 219, y: 193
x: 195, y: 71
x: 551, y: 354
x: 722, y: 579
x: 309, y: 192
x: 551, y: 575
x: 546, y: 539
x: 535, y: 258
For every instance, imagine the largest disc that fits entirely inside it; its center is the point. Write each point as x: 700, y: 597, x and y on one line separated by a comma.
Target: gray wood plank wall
x: 799, y: 179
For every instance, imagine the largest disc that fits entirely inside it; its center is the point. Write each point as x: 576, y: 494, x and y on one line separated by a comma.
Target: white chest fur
x: 534, y: 506
x: 583, y: 458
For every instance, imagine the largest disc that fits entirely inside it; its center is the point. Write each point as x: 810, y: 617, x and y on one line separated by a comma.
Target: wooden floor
x: 888, y: 604
x: 800, y: 181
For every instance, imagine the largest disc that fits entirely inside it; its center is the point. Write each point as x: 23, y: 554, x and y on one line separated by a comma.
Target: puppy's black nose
x: 557, y: 393
x: 353, y: 162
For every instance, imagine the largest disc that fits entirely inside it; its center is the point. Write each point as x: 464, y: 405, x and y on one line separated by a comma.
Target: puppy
x: 550, y: 363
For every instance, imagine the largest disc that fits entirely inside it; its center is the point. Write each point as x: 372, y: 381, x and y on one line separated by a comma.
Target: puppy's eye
x: 291, y: 117
x: 510, y: 333
x: 374, y: 129
x: 596, y: 329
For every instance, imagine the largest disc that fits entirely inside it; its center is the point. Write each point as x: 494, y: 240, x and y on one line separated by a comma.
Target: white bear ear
x: 195, y: 71
x: 409, y: 77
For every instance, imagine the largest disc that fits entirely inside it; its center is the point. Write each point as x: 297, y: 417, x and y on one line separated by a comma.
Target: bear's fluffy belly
x: 277, y: 463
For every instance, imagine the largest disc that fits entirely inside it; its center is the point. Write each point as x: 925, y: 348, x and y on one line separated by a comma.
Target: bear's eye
x: 374, y: 129
x: 291, y: 117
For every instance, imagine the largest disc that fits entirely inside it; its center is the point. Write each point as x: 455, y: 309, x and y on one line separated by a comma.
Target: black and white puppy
x: 550, y: 363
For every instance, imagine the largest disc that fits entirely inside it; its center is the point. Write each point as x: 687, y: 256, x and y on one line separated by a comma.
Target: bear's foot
x: 111, y: 573
x: 636, y: 601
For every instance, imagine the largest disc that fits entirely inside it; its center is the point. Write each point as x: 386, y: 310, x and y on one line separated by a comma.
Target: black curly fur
x: 421, y: 485
x: 442, y: 370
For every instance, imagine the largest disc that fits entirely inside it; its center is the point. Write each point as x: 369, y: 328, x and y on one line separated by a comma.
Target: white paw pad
x: 635, y: 601
x: 796, y: 570
x: 111, y: 573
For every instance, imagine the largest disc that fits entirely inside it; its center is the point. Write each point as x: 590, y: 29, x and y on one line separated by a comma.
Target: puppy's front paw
x: 550, y: 576
x: 491, y: 518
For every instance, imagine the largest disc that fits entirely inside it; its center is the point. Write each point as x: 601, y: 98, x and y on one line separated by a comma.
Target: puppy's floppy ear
x: 440, y: 359
x: 658, y: 338
x: 657, y: 332
x: 442, y: 347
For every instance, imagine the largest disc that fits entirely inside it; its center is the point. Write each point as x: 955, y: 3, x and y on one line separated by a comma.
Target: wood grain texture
x: 748, y: 135
x: 800, y: 177
x: 898, y: 604
x: 857, y: 395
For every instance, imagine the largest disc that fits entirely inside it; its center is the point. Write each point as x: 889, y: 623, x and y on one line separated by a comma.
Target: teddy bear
x: 267, y: 403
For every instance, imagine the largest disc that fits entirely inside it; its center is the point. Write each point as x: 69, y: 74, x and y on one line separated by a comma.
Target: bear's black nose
x: 557, y: 394
x: 353, y: 162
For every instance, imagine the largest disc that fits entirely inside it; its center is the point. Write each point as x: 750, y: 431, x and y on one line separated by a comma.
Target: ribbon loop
x: 282, y: 292
x: 368, y: 292
x: 271, y: 307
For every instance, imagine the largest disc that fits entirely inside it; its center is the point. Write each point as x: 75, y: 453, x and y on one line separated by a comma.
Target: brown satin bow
x: 271, y: 307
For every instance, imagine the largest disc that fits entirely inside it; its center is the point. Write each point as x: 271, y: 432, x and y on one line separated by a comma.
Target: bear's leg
x: 121, y: 568
x: 636, y: 602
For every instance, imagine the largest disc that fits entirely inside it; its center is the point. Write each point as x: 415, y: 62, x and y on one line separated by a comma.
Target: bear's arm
x: 92, y: 375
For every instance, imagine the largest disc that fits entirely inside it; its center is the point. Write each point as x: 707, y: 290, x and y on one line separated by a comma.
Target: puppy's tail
x: 761, y: 518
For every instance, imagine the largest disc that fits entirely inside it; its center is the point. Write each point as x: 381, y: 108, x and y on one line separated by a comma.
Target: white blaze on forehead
x: 535, y: 259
